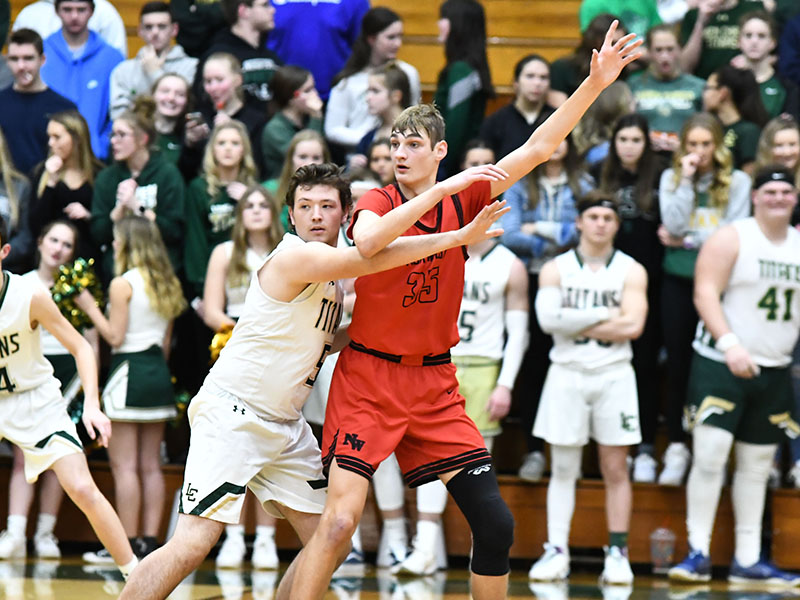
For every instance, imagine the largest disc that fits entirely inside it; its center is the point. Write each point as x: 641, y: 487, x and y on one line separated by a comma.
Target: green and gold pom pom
x: 71, y: 281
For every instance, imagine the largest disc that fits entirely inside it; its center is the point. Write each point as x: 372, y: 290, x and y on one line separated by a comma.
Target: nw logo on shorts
x: 355, y: 443
x: 479, y: 470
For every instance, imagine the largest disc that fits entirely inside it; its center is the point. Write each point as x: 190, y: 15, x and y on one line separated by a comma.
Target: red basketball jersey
x: 413, y: 309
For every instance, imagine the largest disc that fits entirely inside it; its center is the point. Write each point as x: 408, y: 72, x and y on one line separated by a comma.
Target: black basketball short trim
x: 431, y: 471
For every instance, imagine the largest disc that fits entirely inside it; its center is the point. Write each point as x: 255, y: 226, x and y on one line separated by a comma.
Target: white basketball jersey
x: 481, y: 320
x: 277, y: 348
x: 583, y: 288
x: 22, y: 365
x: 762, y: 300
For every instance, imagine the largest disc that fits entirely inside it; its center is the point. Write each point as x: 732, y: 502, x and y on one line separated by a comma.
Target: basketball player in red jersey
x: 394, y: 388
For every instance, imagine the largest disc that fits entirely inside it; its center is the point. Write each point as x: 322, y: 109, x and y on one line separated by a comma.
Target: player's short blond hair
x: 421, y: 117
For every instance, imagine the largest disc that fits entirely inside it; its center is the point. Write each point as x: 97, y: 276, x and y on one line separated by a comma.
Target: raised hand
x: 479, y: 229
x: 613, y: 56
x: 464, y: 179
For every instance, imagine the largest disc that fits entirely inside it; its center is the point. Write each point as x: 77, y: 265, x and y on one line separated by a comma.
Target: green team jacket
x: 209, y: 221
x: 160, y: 189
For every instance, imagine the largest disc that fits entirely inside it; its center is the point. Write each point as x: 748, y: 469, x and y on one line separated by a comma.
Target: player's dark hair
x: 594, y: 198
x: 27, y: 36
x: 155, y: 7
x: 325, y: 174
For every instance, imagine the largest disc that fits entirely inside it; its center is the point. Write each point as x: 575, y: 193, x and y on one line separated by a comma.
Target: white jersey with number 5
x: 22, y: 365
x: 277, y: 348
x: 481, y: 320
x: 762, y: 300
x: 583, y: 288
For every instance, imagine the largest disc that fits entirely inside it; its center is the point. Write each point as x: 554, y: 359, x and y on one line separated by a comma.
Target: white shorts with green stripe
x: 233, y: 449
x: 37, y: 421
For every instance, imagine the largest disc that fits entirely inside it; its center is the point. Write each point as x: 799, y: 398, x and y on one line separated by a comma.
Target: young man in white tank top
x: 33, y: 413
x: 593, y: 301
x: 747, y: 293
x: 247, y: 428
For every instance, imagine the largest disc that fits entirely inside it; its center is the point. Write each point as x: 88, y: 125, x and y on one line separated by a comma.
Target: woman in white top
x: 347, y: 118
x: 143, y: 299
x: 256, y: 231
x: 56, y: 247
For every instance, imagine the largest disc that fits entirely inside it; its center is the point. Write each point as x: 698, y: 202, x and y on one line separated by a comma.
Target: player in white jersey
x: 747, y: 292
x: 33, y: 413
x: 494, y: 305
x: 247, y: 428
x: 593, y: 301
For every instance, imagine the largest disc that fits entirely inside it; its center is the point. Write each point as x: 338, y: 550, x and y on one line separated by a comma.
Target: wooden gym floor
x: 71, y: 579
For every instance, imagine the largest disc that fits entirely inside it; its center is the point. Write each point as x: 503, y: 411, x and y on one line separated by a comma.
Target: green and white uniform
x: 33, y: 414
x: 139, y: 386
x: 481, y: 327
x: 762, y: 307
x: 247, y: 428
x: 590, y: 389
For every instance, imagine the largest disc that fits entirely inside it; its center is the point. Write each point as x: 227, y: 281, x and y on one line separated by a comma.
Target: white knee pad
x: 565, y: 462
x: 432, y: 498
x: 711, y: 446
x: 754, y: 460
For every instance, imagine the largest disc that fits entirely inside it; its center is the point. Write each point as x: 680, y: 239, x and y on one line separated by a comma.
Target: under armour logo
x: 355, y: 443
x: 237, y: 409
x: 479, y: 470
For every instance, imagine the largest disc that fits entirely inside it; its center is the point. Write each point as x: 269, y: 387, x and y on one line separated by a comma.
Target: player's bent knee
x: 478, y: 496
x: 338, y: 527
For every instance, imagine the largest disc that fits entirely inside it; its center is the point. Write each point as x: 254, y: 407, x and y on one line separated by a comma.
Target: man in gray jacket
x: 157, y: 57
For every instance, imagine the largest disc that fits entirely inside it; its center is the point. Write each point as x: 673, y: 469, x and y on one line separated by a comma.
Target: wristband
x: 727, y: 341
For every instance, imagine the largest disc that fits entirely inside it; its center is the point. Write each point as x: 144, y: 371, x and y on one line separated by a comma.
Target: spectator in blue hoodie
x: 79, y: 65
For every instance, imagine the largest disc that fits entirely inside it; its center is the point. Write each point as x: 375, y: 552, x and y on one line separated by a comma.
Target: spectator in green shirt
x: 758, y: 37
x: 465, y: 83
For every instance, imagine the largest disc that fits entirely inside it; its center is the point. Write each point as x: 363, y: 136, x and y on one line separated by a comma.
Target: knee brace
x: 477, y: 494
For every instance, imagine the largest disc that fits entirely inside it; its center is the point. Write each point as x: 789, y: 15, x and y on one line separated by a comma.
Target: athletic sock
x: 565, y: 466
x: 234, y: 531
x: 618, y: 539
x: 16, y: 525
x: 753, y: 462
x: 394, y: 528
x: 704, y: 485
x: 267, y: 531
x: 432, y: 498
x: 45, y: 524
x: 126, y: 569
x: 427, y: 535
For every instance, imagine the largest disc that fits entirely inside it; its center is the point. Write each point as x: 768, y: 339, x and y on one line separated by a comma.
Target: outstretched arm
x: 290, y: 271
x: 606, y: 67
x: 372, y: 233
x: 628, y: 324
x: 45, y: 312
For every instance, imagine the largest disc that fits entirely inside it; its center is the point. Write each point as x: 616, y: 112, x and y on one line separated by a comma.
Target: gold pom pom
x: 218, y: 342
x: 71, y: 281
